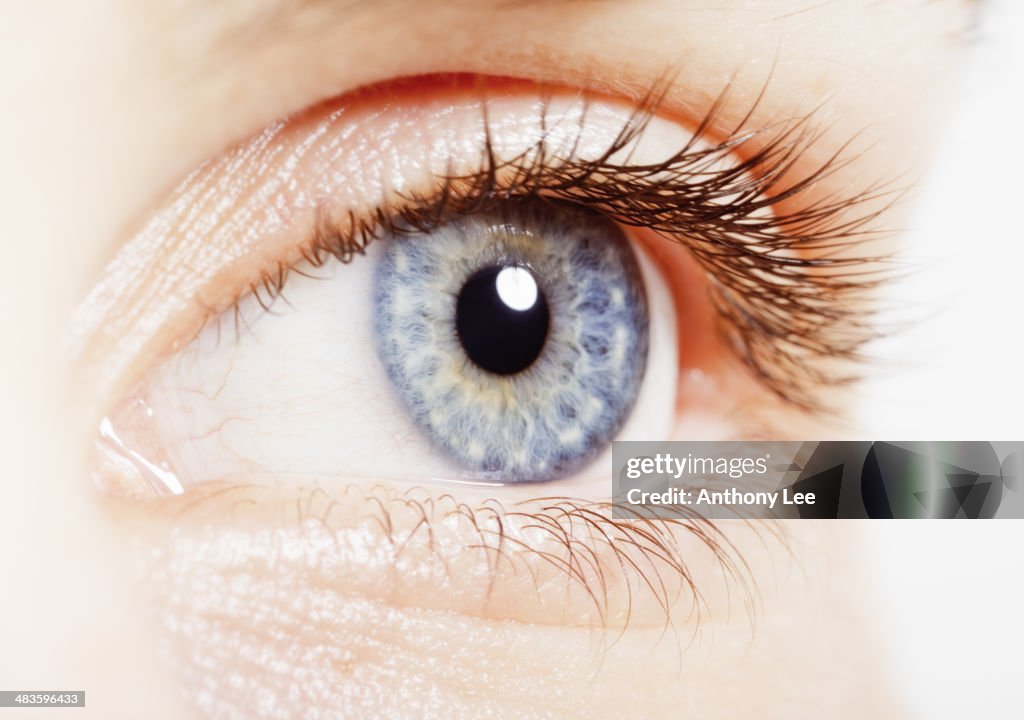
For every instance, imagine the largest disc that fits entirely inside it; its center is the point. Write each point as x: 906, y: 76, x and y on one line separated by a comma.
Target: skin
x: 134, y: 95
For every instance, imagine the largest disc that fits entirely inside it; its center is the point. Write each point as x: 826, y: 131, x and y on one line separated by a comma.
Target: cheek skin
x: 366, y: 637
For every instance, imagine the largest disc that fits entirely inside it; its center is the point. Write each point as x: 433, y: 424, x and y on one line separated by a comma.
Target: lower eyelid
x: 272, y: 614
x: 554, y: 561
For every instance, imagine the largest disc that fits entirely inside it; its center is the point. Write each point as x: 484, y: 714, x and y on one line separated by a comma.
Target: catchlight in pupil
x: 502, y: 319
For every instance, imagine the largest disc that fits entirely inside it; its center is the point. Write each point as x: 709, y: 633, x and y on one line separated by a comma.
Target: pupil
x: 502, y: 319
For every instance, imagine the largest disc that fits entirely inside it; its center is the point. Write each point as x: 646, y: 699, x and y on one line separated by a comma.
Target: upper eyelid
x: 742, y: 253
x: 105, y: 326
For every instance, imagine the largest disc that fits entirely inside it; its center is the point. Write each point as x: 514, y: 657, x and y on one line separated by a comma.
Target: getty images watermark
x: 848, y: 479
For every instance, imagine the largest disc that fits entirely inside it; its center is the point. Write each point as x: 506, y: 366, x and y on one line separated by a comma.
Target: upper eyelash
x: 784, y: 312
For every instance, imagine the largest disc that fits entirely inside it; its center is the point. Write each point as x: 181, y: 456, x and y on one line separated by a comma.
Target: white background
x: 953, y: 592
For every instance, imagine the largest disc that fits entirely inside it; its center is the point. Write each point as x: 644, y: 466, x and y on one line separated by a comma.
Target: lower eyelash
x: 615, y: 565
x: 584, y: 529
x: 793, y: 311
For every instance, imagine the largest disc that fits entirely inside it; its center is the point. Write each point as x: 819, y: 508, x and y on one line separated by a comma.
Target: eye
x: 486, y: 288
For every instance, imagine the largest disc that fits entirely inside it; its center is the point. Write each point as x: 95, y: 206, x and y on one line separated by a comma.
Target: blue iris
x: 517, y: 339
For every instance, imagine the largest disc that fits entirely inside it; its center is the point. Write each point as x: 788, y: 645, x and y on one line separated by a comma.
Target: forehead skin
x: 110, y: 102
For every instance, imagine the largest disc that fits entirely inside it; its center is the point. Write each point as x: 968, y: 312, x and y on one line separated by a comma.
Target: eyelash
x: 601, y: 556
x: 783, y: 313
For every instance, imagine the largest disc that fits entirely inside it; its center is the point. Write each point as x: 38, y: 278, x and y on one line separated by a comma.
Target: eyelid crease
x: 550, y: 560
x: 796, y: 304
